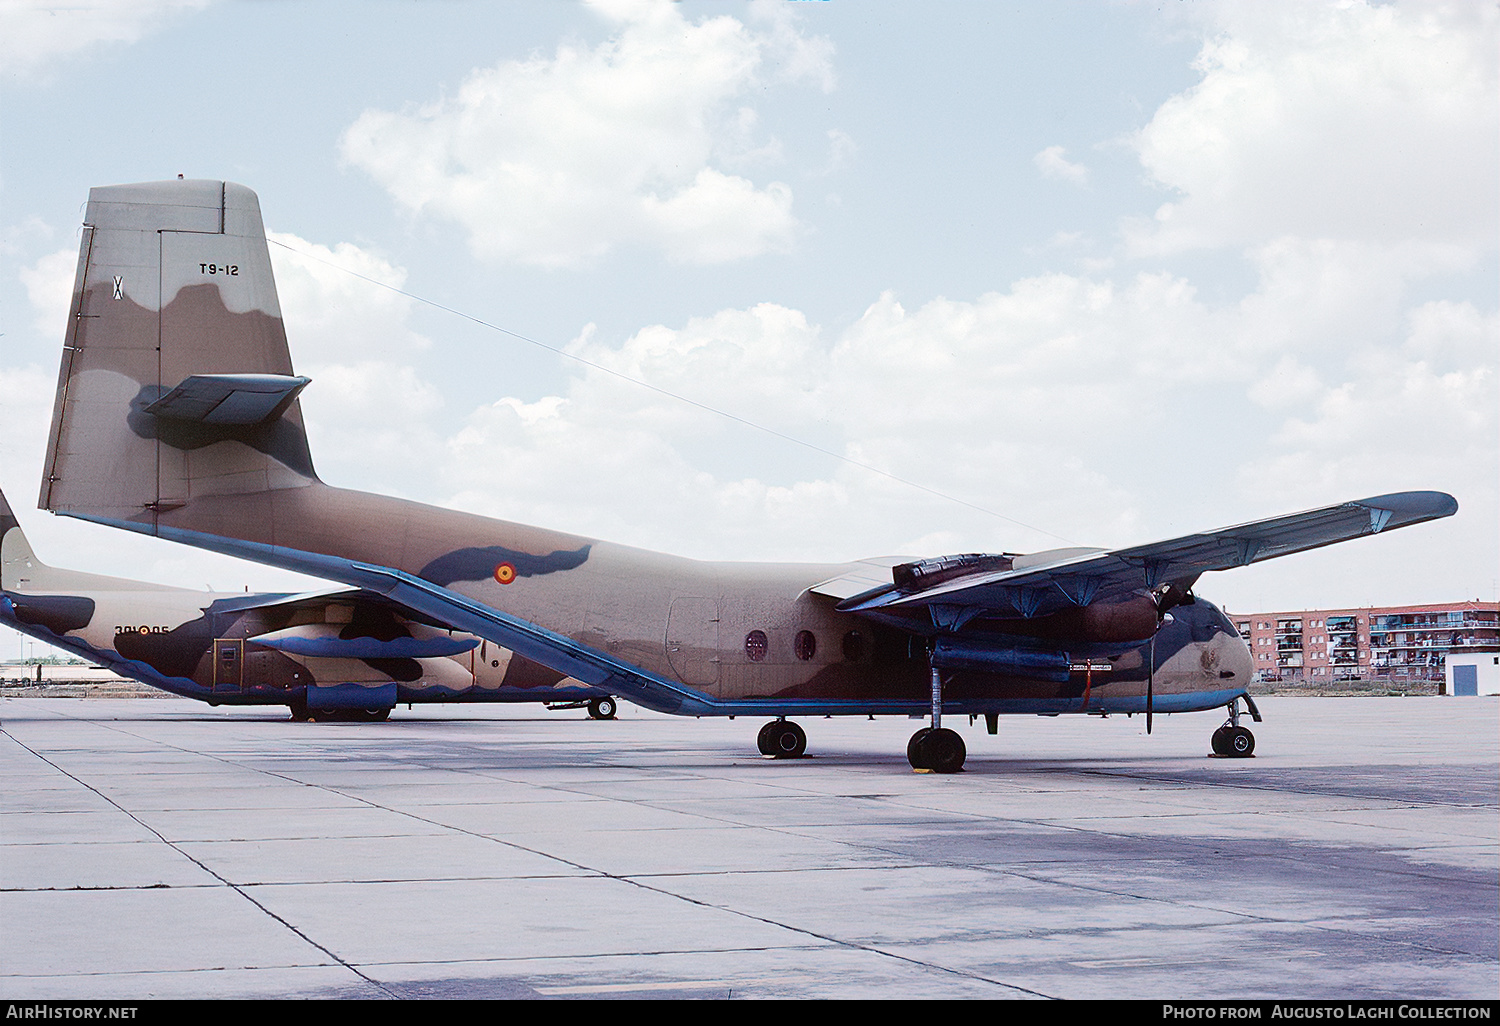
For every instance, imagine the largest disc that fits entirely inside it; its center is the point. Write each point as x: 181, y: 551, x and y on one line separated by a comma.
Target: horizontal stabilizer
x: 230, y: 399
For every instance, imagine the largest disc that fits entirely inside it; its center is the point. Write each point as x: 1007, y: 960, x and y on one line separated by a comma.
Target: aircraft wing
x: 1047, y: 582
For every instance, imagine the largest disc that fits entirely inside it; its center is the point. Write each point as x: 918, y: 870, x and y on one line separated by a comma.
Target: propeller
x: 1150, y: 683
x: 1166, y: 597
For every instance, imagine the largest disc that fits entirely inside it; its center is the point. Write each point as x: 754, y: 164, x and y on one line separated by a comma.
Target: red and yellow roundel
x: 505, y: 573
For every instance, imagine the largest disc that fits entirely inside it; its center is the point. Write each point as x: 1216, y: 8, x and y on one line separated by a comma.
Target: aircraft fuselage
x: 731, y: 632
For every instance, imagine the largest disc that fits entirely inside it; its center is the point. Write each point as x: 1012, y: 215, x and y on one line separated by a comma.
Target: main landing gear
x: 1233, y: 741
x: 302, y: 714
x: 782, y: 739
x: 939, y: 750
x: 602, y: 708
x: 936, y: 749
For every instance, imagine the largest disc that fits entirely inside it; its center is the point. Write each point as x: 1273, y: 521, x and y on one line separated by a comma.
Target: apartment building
x: 1402, y: 642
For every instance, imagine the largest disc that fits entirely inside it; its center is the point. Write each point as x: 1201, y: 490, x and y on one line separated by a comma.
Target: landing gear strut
x: 936, y: 748
x: 782, y: 739
x: 1233, y: 741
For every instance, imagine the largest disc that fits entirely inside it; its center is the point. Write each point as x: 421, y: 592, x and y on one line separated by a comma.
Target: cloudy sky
x: 819, y: 280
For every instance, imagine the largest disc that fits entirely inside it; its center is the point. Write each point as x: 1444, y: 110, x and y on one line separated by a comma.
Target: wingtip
x: 1413, y: 507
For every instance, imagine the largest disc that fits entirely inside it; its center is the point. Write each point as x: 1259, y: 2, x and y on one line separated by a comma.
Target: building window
x: 755, y: 646
x: 806, y: 646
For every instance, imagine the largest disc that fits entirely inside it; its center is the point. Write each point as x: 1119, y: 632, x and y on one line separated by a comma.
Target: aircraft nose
x: 1239, y: 661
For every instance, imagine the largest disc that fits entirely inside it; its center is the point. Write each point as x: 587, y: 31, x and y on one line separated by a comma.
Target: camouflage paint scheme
x: 177, y: 414
x: 332, y: 650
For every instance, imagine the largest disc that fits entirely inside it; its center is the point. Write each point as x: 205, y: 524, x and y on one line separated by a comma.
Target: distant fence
x: 20, y: 675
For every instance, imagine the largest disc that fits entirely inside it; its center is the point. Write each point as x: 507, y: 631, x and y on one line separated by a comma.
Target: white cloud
x: 34, y: 35
x: 327, y: 306
x: 368, y: 410
x: 1289, y: 383
x: 842, y: 150
x: 961, y: 397
x: 1105, y: 412
x: 554, y: 162
x: 1433, y: 402
x: 1053, y: 164
x: 49, y: 287
x: 1348, y: 121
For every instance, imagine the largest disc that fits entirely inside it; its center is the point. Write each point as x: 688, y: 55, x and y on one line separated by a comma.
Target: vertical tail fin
x: 16, y: 557
x: 176, y: 383
x: 177, y: 410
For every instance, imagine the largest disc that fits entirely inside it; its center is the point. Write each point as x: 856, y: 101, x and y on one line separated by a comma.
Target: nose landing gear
x: 1233, y: 741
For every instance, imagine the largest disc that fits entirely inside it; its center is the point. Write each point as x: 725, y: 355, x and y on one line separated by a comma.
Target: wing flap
x: 861, y: 577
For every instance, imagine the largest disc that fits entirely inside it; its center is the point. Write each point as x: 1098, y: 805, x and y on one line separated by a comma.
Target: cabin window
x: 755, y: 646
x: 806, y: 645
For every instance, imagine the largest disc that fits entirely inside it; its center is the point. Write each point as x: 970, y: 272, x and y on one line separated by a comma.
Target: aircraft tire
x: 763, y: 739
x: 1241, y: 742
x: 299, y: 711
x: 787, y: 740
x: 1220, y: 741
x: 376, y: 715
x: 602, y: 708
x: 914, y: 749
x: 942, y: 751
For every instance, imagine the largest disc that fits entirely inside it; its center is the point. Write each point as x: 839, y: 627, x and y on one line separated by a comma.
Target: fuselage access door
x: 693, y: 640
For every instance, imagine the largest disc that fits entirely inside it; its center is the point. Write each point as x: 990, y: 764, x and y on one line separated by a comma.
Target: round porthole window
x: 805, y: 645
x: 755, y: 646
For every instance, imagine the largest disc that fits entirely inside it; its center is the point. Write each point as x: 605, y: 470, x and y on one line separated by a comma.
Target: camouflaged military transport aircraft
x: 339, y: 654
x: 177, y: 415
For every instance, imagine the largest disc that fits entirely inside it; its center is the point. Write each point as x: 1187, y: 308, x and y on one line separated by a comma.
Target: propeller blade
x: 1150, y: 683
